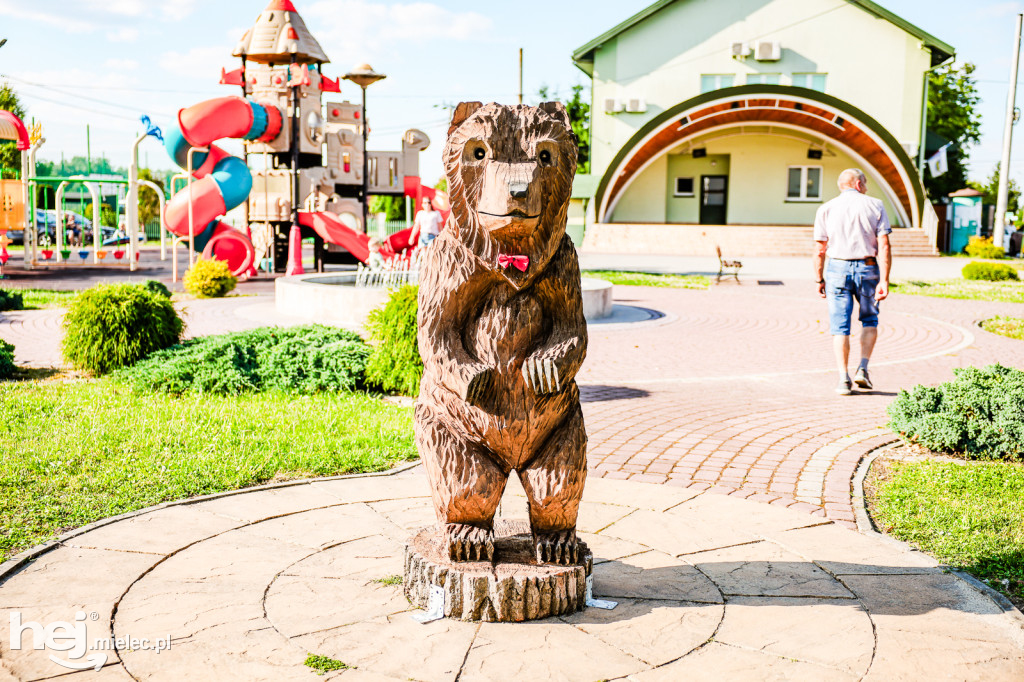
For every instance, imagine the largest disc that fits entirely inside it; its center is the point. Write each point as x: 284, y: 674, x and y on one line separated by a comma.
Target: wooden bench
x: 727, y: 267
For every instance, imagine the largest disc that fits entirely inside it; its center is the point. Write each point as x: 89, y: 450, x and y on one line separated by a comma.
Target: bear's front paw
x: 469, y: 543
x: 556, y: 547
x: 479, y: 385
x: 541, y: 374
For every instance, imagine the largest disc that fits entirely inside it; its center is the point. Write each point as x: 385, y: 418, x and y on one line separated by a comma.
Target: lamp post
x: 364, y: 76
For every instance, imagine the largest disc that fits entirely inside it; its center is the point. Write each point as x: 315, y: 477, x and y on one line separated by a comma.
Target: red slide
x: 333, y: 231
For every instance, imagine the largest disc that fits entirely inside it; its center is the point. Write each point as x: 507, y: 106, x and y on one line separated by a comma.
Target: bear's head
x: 510, y: 172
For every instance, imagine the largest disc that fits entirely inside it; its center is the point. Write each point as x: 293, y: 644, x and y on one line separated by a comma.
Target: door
x: 713, y: 193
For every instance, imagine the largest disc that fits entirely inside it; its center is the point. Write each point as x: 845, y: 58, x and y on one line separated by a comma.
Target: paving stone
x: 606, y: 548
x: 656, y: 632
x: 375, y: 488
x: 408, y: 514
x: 556, y: 652
x: 832, y: 632
x: 765, y: 569
x: 397, y: 647
x: 265, y: 504
x: 298, y: 605
x: 319, y: 528
x: 717, y: 662
x: 843, y: 552
x: 367, y: 559
x: 640, y: 495
x: 653, y: 575
x: 911, y: 656
x: 160, y: 532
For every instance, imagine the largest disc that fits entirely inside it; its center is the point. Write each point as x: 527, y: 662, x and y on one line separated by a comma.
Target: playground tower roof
x: 279, y: 32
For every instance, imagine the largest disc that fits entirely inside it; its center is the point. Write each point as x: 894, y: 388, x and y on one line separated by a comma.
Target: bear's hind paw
x: 556, y: 547
x: 469, y: 543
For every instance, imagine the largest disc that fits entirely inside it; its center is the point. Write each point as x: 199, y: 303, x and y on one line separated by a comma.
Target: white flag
x: 938, y: 163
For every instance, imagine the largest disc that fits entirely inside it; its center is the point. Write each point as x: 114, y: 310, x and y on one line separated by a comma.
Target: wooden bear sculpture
x: 502, y: 332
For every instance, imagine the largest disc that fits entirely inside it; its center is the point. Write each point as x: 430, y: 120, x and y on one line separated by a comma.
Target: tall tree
x: 990, y: 190
x: 149, y: 204
x: 952, y: 115
x: 10, y: 157
x: 579, y: 118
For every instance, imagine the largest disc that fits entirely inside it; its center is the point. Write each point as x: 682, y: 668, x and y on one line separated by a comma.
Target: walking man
x: 852, y: 231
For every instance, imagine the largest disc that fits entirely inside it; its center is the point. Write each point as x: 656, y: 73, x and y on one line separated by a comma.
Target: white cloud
x: 124, y: 34
x: 67, y: 22
x: 127, y: 8
x: 176, y: 10
x: 121, y: 65
x: 357, y: 30
x: 202, y: 64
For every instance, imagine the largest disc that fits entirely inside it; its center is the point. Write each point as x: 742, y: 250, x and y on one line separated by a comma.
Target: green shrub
x: 110, y: 326
x: 990, y: 272
x: 6, y: 360
x: 395, y: 366
x: 982, y: 247
x: 11, y: 300
x: 209, y: 278
x: 157, y: 287
x: 979, y: 414
x: 306, y: 359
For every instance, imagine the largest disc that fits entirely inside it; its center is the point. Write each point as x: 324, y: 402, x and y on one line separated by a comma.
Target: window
x: 763, y: 78
x: 715, y: 81
x: 684, y: 187
x: 813, y: 81
x: 804, y: 183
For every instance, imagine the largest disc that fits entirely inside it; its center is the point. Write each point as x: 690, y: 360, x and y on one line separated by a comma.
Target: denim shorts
x: 846, y: 280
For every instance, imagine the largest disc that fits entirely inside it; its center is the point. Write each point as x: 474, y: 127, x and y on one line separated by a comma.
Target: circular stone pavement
x: 708, y: 587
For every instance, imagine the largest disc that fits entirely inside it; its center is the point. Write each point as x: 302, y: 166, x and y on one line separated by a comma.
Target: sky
x: 103, y: 63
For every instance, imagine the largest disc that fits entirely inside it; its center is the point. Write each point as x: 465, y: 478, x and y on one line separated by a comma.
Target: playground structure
x: 311, y: 183
x: 19, y: 209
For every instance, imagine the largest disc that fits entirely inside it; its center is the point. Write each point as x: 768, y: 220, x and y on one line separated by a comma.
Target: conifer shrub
x: 209, y: 278
x: 991, y: 272
x: 11, y: 300
x: 395, y: 365
x: 157, y: 287
x: 305, y: 359
x: 110, y: 326
x: 979, y: 414
x: 982, y: 247
x: 6, y: 360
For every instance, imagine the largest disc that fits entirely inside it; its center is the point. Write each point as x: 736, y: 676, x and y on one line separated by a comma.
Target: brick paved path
x: 732, y: 391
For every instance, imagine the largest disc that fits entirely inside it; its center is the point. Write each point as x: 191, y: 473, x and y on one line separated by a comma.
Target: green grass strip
x: 1006, y: 326
x: 73, y: 452
x: 974, y: 290
x: 969, y: 516
x: 646, y: 279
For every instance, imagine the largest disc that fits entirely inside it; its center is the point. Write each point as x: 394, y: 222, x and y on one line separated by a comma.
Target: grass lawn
x: 1007, y: 326
x: 969, y: 516
x: 977, y: 290
x: 36, y: 299
x: 73, y: 452
x: 645, y: 279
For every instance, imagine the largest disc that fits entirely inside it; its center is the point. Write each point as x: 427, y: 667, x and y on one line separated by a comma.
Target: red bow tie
x: 518, y: 262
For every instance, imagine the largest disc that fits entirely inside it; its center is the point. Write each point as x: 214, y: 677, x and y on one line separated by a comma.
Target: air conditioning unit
x: 613, y: 105
x: 768, y: 51
x: 636, y: 105
x: 740, y: 50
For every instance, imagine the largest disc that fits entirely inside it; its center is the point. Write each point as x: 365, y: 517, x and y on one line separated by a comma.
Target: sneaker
x: 844, y: 387
x: 862, y: 379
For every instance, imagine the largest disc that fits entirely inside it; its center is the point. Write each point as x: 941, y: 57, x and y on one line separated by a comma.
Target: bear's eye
x: 544, y: 157
x: 479, y: 153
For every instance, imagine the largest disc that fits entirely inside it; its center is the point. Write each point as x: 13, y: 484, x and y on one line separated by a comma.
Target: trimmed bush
x: 11, y: 300
x: 110, y: 326
x: 395, y: 366
x: 306, y: 359
x: 209, y: 278
x: 6, y: 360
x: 979, y: 414
x: 157, y: 287
x: 991, y: 272
x: 982, y: 247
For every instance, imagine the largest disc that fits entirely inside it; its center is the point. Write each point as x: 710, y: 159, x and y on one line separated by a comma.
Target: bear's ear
x: 556, y: 109
x: 463, y: 111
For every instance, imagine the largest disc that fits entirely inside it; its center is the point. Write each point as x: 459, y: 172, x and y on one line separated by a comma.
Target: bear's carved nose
x: 518, y: 189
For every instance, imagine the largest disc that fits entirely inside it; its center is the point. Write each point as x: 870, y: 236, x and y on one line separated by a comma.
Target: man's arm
x: 819, y: 266
x: 884, y: 266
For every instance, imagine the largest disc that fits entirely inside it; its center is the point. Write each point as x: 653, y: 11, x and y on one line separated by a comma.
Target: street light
x: 364, y: 76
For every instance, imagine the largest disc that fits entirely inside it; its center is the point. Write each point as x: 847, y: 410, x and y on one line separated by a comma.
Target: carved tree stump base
x: 514, y: 588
